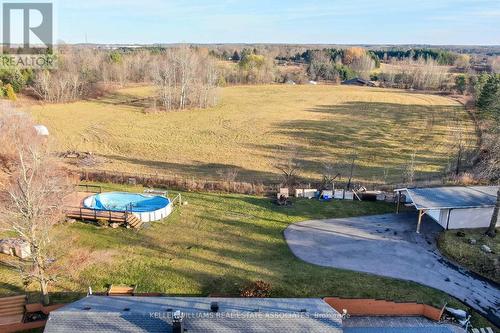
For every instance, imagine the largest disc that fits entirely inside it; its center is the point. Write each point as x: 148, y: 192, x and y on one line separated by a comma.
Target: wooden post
x: 398, y: 202
x: 420, y: 215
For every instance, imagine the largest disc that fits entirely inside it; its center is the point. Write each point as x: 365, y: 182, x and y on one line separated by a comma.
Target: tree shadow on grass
x: 198, y: 170
x: 383, y: 136
x: 120, y: 98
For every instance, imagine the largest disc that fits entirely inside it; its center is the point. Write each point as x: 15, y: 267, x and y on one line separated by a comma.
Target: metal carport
x: 453, y: 207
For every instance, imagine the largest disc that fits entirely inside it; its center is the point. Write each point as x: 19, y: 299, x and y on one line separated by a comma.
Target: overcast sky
x: 286, y: 21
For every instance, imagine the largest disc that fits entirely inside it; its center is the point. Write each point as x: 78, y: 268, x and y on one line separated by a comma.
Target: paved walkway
x: 387, y: 245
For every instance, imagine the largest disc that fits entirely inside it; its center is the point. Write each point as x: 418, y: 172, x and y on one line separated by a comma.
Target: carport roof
x: 458, y: 197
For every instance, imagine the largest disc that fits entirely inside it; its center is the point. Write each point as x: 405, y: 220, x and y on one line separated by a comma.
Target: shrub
x: 260, y: 289
x: 10, y: 93
x: 115, y: 57
x: 103, y: 223
x: 15, y: 77
x: 461, y: 83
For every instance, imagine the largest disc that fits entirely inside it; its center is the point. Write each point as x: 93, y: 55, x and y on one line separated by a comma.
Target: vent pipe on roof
x: 214, y: 307
x: 177, y: 323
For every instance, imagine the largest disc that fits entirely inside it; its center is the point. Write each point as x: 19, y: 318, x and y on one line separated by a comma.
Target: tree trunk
x: 350, y: 174
x: 459, y: 160
x: 44, y: 288
x: 494, y: 218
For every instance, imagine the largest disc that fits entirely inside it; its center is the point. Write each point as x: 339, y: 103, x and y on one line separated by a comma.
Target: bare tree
x: 31, y: 195
x: 409, y: 170
x: 363, y: 65
x: 330, y: 174
x: 495, y: 64
x: 418, y: 74
x: 494, y: 218
x: 228, y: 175
x: 351, y: 170
x: 79, y: 71
x: 288, y: 164
x: 186, y: 77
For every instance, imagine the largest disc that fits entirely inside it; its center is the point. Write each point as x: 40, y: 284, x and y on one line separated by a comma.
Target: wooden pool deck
x: 75, y: 209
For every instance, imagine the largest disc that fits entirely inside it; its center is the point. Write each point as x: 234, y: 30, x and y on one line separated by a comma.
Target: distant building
x: 358, y: 82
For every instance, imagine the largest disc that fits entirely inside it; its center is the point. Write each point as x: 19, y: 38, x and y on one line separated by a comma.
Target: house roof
x: 425, y: 329
x: 391, y: 324
x: 154, y: 314
x: 358, y: 80
x: 459, y: 197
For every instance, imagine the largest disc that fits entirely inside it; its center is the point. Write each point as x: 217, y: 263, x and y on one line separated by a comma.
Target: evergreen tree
x: 489, y: 99
x: 236, y: 56
x: 461, y: 83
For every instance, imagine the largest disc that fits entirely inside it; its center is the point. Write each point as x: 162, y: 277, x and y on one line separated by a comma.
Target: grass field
x: 460, y: 250
x: 216, y: 244
x: 256, y: 125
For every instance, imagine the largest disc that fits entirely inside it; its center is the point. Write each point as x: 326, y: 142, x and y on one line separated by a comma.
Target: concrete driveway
x: 387, y: 245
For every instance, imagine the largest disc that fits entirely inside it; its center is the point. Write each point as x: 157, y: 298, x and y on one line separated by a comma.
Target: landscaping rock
x: 70, y: 221
x: 6, y: 248
x: 114, y: 225
x: 485, y: 248
x: 15, y: 247
x: 460, y: 234
x: 472, y: 241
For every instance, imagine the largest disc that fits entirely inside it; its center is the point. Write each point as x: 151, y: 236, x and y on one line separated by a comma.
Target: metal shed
x: 460, y: 207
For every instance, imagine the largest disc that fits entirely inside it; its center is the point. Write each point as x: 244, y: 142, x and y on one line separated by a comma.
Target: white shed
x: 41, y: 130
x: 460, y: 207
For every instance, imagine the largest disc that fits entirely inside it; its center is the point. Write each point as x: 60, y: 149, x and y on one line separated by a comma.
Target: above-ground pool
x: 146, y: 207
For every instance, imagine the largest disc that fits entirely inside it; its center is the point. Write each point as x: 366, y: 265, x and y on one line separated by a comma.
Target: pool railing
x: 178, y: 199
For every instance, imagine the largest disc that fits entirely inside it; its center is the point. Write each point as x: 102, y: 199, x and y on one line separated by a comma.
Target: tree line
x: 442, y: 57
x: 184, y: 77
x: 487, y: 100
x: 188, y: 76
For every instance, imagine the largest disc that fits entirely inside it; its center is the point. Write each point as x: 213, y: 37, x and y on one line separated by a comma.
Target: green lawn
x: 460, y: 250
x: 253, y: 126
x: 216, y: 244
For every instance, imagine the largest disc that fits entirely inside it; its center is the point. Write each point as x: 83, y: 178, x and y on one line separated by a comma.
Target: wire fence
x: 178, y: 183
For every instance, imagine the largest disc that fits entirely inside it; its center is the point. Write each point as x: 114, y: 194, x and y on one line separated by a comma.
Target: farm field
x: 216, y: 244
x: 254, y: 126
